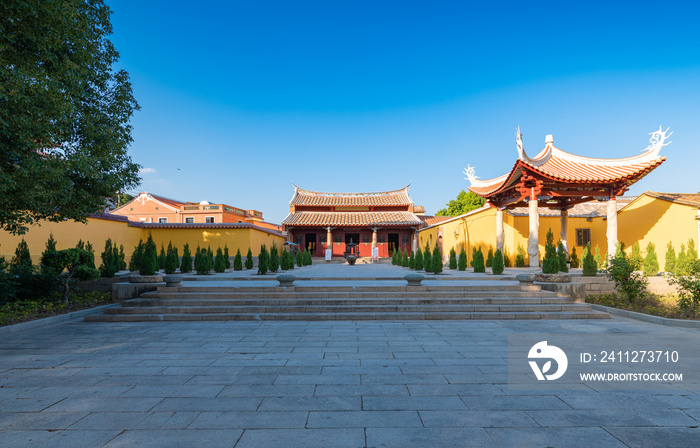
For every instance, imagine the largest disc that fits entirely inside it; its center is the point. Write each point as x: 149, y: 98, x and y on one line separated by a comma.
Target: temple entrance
x: 355, y: 237
x: 311, y: 242
x: 393, y: 242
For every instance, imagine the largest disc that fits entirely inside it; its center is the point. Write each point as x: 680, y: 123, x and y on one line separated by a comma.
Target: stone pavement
x: 316, y: 384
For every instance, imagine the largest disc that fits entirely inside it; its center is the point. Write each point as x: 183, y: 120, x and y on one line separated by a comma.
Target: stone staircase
x: 195, y: 301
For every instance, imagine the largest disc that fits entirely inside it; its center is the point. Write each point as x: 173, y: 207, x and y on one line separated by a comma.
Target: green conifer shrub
x: 50, y: 245
x: 219, y: 262
x: 171, y: 260
x: 198, y: 259
x: 670, y: 263
x: 681, y: 261
x: 506, y: 258
x: 550, y: 263
x: 520, y: 257
x: 136, y: 255
x: 22, y: 256
x: 436, y: 262
x: 227, y: 257
x: 203, y: 264
x: 453, y: 259
x: 283, y: 260
x: 115, y: 257
x: 427, y: 261
x: 489, y: 257
x: 404, y: 259
x: 307, y: 257
x: 478, y: 261
x: 598, y: 258
x: 210, y: 254
x: 636, y: 258
x: 561, y: 256
x: 497, y: 266
x: 573, y: 259
x: 186, y: 260
x: 109, y: 265
x: 249, y: 260
x: 122, y: 258
x: 149, y: 260
x: 238, y: 261
x: 651, y: 262
x: 412, y: 261
x: 590, y: 267
x: 161, y: 257
x: 462, y: 261
x: 418, y: 263
x: 394, y: 257
x: 274, y: 261
x: 263, y: 260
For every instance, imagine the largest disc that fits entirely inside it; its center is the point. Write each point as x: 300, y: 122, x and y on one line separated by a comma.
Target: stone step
x: 357, y: 316
x: 501, y: 286
x: 345, y: 309
x: 346, y: 295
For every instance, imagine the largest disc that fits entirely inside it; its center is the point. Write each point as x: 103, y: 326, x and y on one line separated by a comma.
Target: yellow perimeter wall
x: 68, y: 233
x: 644, y: 220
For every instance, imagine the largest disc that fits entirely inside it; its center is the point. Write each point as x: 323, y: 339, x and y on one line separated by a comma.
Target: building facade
x: 322, y: 221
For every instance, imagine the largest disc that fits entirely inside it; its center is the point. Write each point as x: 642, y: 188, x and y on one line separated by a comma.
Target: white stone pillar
x: 500, y: 235
x: 374, y: 241
x: 329, y: 241
x: 533, y: 242
x: 414, y: 246
x: 612, y: 227
x: 564, y: 232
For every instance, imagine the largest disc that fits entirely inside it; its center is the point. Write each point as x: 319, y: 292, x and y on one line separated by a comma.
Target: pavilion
x: 558, y: 180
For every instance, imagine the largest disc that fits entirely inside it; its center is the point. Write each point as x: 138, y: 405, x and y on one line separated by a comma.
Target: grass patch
x: 25, y: 311
x: 652, y: 304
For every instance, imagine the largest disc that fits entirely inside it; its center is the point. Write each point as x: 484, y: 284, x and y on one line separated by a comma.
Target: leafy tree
x: 453, y: 259
x: 631, y: 285
x: 404, y: 259
x: 497, y: 265
x: 237, y: 261
x: 670, y: 264
x: 489, y: 257
x: 219, y: 262
x: 263, y: 260
x: 186, y: 260
x: 22, y: 256
x: 520, y: 257
x: 274, y: 260
x: 110, y: 265
x: 550, y: 263
x: 418, y: 263
x: 136, y: 255
x: 436, y: 263
x: 561, y: 256
x: 573, y: 259
x: 249, y: 260
x: 462, y: 262
x: 651, y: 262
x: 65, y: 113
x: 478, y: 260
x: 149, y: 261
x: 171, y: 259
x: 227, y: 257
x: 412, y: 261
x: 71, y: 265
x: 161, y: 257
x: 464, y: 203
x: 688, y: 288
x: 122, y: 258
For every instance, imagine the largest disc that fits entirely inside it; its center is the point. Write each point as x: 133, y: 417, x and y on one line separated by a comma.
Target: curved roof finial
x: 519, y: 144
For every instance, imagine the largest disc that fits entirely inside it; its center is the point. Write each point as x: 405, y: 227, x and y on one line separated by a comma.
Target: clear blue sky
x: 241, y: 98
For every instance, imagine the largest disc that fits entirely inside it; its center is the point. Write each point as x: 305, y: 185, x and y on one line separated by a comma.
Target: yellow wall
x: 644, y: 220
x: 96, y: 231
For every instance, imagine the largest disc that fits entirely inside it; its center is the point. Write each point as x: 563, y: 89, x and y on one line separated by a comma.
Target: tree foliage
x: 71, y: 265
x: 465, y: 202
x: 249, y: 260
x: 651, y: 262
x: 453, y: 259
x: 497, y: 264
x: 64, y: 111
x: 561, y: 256
x: 418, y: 263
x: 478, y: 260
x: 631, y: 285
x: 186, y: 261
x: 573, y: 259
x: 520, y: 257
x: 462, y: 261
x: 670, y: 263
x: 550, y: 262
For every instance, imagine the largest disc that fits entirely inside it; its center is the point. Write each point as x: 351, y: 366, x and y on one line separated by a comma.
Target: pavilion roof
x: 590, y: 209
x: 351, y: 219
x: 381, y: 198
x: 556, y: 165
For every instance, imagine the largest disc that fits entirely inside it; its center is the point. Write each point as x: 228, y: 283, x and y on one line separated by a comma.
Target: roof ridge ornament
x: 657, y: 141
x: 519, y: 144
x: 471, y: 174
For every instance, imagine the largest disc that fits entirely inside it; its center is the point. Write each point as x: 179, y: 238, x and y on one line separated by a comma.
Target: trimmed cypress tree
x: 197, y: 259
x: 237, y: 261
x: 550, y: 263
x: 462, y: 261
x: 274, y: 261
x: 478, y: 261
x: 436, y: 262
x: 573, y: 259
x: 520, y: 257
x: 404, y: 259
x: 171, y: 260
x: 205, y: 262
x: 219, y: 261
x: 161, y: 257
x: 227, y: 257
x: 299, y: 258
x: 598, y: 258
x: 263, y: 260
x: 109, y: 265
x: 651, y: 262
x: 283, y: 260
x: 590, y: 267
x: 497, y: 266
x: 115, y: 257
x: 692, y: 254
x: 136, y: 255
x: 670, y: 264
x: 412, y: 261
x: 307, y: 258
x: 636, y: 258
x: 561, y: 255
x: 427, y: 261
x: 249, y: 259
x: 89, y: 248
x: 22, y: 256
x: 186, y: 261
x: 681, y: 262
x: 395, y: 257
x: 506, y: 258
x: 453, y: 259
x: 210, y: 254
x: 418, y: 263
x: 489, y: 258
x: 122, y: 258
x: 149, y: 260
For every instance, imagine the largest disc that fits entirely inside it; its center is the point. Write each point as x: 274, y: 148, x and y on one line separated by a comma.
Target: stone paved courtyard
x: 309, y: 384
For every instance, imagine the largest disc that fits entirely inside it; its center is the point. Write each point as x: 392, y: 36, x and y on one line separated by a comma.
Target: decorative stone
x: 146, y: 279
x: 286, y: 280
x: 553, y: 278
x: 525, y: 278
x: 414, y: 279
x: 172, y: 280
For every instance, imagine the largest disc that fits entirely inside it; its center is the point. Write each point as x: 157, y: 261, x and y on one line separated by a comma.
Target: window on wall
x: 365, y: 240
x: 298, y: 240
x: 189, y: 220
x: 209, y: 220
x: 404, y: 240
x: 162, y: 220
x: 583, y: 237
x: 381, y: 240
x: 323, y: 238
x: 337, y: 239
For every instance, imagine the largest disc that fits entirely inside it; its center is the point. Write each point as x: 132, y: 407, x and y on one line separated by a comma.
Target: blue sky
x: 241, y: 98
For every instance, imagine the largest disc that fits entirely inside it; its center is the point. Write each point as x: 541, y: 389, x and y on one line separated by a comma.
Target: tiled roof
x: 691, y: 199
x: 418, y: 209
x: 431, y: 220
x: 171, y: 202
x: 153, y: 225
x: 351, y: 219
x: 590, y: 209
x: 317, y: 198
x: 559, y: 165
